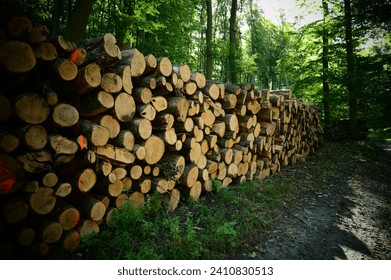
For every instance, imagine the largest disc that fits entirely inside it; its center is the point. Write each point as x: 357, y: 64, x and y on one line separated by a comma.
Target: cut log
x: 146, y: 81
x: 19, y: 26
x: 178, y: 106
x: 14, y: 210
x: 143, y: 185
x: 62, y: 145
x: 194, y: 191
x: 163, y: 121
x: 63, y: 45
x: 231, y: 121
x: 126, y: 76
x: 146, y: 111
x: 36, y: 162
x: 219, y: 128
x: 168, y: 136
x: 45, y: 51
x: 96, y: 134
x: 49, y: 179
x: 135, y: 59
x: 124, y: 107
x: 88, y: 206
x: 160, y: 184
x: 43, y: 201
x: 189, y: 176
x: 172, y: 165
x: 38, y: 34
x: 84, y: 180
x: 139, y: 151
x: 78, y: 56
x: 142, y: 95
x: 136, y: 171
x: 137, y: 199
x: 111, y: 82
x: 150, y: 63
x: 199, y: 78
x: 154, y: 148
x: 125, y: 139
x: 87, y: 227
x: 71, y: 241
x: 159, y: 103
x: 164, y: 67
x: 111, y: 124
x: 190, y: 87
x: 93, y: 43
x: 115, y: 189
x: 183, y: 72
x: 35, y: 136
x: 49, y: 231
x: 31, y: 108
x: 116, y: 154
x: 120, y: 201
x: 95, y: 103
x: 62, y: 189
x: 171, y: 200
x: 64, y: 69
x: 25, y: 236
x: 105, y: 54
x: 65, y: 115
x: 211, y: 90
x: 17, y: 57
x: 88, y: 78
x: 140, y: 127
x: 9, y: 142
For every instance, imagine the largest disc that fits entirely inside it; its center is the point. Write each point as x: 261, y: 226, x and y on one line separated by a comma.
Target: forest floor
x: 341, y: 208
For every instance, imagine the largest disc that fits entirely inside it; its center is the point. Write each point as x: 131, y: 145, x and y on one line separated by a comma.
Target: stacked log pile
x: 85, y: 129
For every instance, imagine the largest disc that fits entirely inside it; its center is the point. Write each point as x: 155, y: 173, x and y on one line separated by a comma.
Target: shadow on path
x: 342, y: 209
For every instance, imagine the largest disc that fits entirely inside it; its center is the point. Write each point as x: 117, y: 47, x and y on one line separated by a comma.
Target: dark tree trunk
x: 57, y: 6
x: 233, y: 43
x: 325, y: 62
x: 79, y: 19
x: 350, y: 70
x: 209, y: 54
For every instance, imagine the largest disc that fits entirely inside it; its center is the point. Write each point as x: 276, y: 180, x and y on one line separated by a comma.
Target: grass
x: 215, y: 227
x: 371, y: 146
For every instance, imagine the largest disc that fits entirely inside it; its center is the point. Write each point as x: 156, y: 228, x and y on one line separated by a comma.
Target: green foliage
x: 214, y: 227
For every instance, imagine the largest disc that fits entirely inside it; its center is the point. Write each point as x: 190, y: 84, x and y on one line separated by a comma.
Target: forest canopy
x: 342, y: 62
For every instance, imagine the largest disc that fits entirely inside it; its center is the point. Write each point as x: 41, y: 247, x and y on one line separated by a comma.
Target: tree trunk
x: 325, y: 62
x: 351, y: 73
x: 80, y: 14
x: 209, y: 32
x: 233, y: 43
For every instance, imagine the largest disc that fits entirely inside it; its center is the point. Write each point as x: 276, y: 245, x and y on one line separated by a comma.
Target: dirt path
x: 342, y: 209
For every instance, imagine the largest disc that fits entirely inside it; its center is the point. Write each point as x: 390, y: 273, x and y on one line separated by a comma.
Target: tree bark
x: 351, y: 73
x: 80, y: 14
x: 325, y: 63
x: 233, y: 43
x: 209, y: 32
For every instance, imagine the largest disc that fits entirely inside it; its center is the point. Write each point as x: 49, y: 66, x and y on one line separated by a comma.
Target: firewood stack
x: 85, y: 129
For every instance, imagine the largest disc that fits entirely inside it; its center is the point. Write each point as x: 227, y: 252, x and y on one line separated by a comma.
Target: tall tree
x: 79, y: 19
x: 351, y: 83
x: 233, y: 42
x: 325, y: 66
x: 209, y: 32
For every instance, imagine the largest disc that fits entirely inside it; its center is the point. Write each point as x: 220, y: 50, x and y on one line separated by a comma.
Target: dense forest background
x: 342, y: 62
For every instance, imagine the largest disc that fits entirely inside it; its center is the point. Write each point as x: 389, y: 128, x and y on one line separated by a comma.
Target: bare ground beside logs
x: 341, y: 209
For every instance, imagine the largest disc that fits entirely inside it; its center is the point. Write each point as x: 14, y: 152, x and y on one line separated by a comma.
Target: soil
x: 341, y: 208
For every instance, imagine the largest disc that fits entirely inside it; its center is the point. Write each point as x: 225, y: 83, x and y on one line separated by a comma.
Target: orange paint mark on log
x: 80, y: 182
x: 7, y: 179
x: 82, y: 142
x: 74, y: 55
